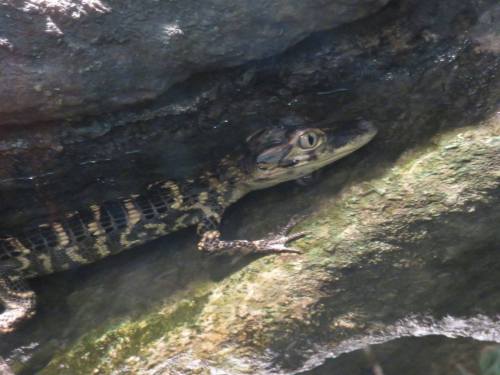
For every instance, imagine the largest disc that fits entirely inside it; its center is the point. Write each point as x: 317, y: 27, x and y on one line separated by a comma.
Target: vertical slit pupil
x: 312, y: 139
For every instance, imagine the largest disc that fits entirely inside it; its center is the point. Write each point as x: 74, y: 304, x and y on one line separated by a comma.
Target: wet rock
x: 60, y: 59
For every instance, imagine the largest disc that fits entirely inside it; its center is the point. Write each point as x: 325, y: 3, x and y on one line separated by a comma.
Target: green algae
x: 102, y: 350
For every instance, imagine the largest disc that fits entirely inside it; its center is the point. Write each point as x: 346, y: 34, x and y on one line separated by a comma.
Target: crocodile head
x: 276, y: 155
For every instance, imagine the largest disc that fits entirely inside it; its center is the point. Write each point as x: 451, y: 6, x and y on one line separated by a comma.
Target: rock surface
x: 430, y: 355
x: 65, y: 58
x: 406, y: 228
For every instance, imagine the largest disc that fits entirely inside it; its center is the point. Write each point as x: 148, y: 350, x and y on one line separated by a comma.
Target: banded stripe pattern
x: 101, y: 230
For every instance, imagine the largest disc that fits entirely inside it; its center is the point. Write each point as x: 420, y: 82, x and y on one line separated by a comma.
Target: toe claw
x: 291, y: 223
x: 291, y: 250
x: 280, y: 250
x: 295, y: 236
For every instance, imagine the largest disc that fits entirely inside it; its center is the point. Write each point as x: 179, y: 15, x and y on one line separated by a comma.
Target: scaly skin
x: 270, y: 156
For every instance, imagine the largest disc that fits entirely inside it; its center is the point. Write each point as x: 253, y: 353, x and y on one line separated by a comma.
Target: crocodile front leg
x: 17, y: 300
x: 274, y: 243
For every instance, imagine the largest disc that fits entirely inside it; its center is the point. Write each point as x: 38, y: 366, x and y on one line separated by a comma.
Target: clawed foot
x: 277, y: 243
x: 211, y: 243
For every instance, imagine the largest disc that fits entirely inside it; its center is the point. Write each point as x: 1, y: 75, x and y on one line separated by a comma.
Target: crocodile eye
x: 308, y: 140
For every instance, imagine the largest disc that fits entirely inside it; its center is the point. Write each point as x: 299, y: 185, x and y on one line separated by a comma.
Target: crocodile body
x: 269, y: 157
x: 98, y: 231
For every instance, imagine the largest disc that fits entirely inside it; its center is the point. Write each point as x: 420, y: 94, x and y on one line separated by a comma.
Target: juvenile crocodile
x: 268, y: 157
